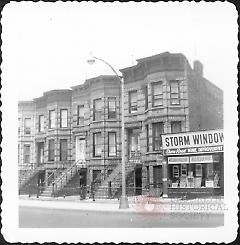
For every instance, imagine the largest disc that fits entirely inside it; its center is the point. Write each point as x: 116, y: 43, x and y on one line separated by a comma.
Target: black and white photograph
x: 119, y: 122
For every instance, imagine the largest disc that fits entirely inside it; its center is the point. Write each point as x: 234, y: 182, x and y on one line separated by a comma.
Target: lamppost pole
x: 123, y: 200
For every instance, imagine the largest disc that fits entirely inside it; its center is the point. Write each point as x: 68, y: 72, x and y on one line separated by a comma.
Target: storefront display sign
x: 178, y: 160
x: 193, y: 142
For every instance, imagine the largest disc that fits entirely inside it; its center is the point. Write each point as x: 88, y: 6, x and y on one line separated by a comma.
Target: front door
x: 80, y: 149
x: 138, y: 181
x: 83, y: 177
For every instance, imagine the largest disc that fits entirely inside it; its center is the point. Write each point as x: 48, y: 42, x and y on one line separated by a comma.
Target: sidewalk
x: 139, y: 204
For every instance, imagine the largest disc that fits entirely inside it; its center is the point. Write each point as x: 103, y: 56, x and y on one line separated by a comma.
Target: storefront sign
x: 193, y: 142
x: 201, y: 159
x: 178, y: 160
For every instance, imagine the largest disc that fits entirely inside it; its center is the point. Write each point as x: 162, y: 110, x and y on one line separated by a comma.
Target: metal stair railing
x: 64, y: 178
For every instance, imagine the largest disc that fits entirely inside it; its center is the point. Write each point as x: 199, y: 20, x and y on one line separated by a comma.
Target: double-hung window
x: 80, y: 115
x: 40, y: 123
x: 174, y: 93
x: 52, y: 119
x: 97, y: 109
x: 51, y: 148
x: 176, y: 127
x: 97, y: 146
x: 158, y: 129
x: 26, y: 153
x: 146, y: 96
x: 112, y: 146
x: 157, y: 94
x: 133, y: 101
x: 112, y: 108
x: 27, y: 126
x: 63, y: 118
x: 63, y: 150
x: 147, y: 137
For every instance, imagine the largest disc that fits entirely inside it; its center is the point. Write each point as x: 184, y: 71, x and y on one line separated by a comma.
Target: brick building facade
x: 82, y: 126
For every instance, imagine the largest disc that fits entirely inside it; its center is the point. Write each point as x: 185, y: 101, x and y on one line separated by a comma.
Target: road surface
x: 34, y: 217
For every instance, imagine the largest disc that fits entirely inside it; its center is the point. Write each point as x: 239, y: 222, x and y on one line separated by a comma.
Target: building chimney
x: 198, y: 67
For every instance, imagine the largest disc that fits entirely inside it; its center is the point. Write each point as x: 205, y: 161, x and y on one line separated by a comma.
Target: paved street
x: 36, y: 217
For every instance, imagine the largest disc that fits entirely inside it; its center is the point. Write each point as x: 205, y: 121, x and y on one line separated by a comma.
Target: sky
x: 46, y: 45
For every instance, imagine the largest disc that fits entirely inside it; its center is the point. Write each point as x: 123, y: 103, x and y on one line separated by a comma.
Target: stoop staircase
x: 24, y: 178
x: 115, y: 178
x: 103, y: 191
x: 60, y: 181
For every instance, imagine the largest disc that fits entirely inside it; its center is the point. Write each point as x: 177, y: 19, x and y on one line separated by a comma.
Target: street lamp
x: 123, y: 200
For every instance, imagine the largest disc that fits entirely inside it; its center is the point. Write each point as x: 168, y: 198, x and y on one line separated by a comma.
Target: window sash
x: 63, y: 118
x: 41, y: 123
x: 133, y: 101
x: 27, y: 126
x: 176, y: 127
x: 80, y: 115
x: 157, y: 94
x: 112, y: 147
x: 26, y: 153
x: 147, y: 137
x: 51, y: 146
x: 146, y: 97
x: 52, y: 119
x: 111, y: 108
x: 174, y: 93
x: 97, y: 146
x: 63, y: 150
x: 158, y: 129
x: 97, y: 109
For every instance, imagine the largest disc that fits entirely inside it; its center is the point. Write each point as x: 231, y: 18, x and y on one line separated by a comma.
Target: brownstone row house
x: 74, y: 136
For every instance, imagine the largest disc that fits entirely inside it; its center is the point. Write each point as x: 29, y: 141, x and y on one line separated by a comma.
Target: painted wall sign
x: 193, y: 142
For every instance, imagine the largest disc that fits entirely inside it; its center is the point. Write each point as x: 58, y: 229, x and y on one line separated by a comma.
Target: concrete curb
x: 139, y: 207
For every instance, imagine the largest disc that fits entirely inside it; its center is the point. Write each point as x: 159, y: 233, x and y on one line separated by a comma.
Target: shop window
x: 133, y: 101
x: 158, y: 130
x: 41, y: 123
x: 176, y: 127
x: 210, y: 170
x: 26, y: 154
x: 157, y: 94
x: 183, y: 170
x: 97, y: 109
x: 112, y: 146
x: 198, y: 170
x: 112, y: 108
x: 97, y: 146
x: 63, y: 150
x: 175, y: 171
x: 52, y: 119
x: 174, y: 93
x: 27, y: 126
x: 63, y: 118
x: 51, y: 147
